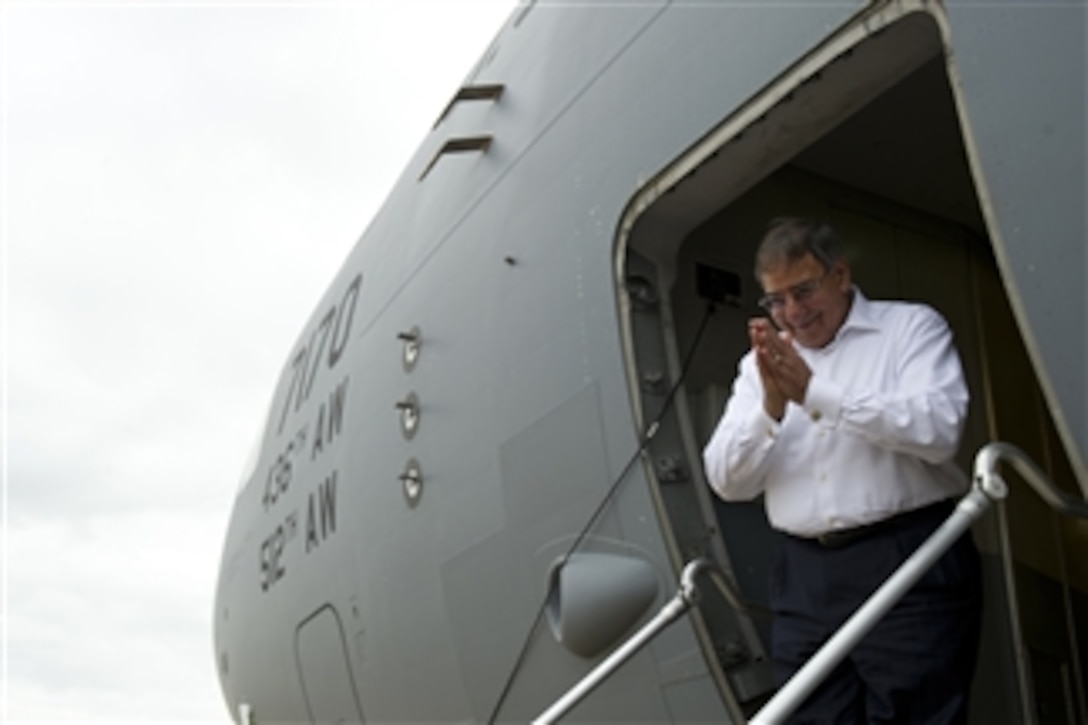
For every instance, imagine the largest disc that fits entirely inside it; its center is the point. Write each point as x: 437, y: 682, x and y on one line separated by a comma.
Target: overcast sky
x: 181, y: 182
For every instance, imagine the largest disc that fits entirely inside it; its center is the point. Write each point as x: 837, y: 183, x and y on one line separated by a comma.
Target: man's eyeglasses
x: 801, y: 293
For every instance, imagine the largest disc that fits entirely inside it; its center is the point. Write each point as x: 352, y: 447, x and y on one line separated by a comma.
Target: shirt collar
x: 861, y: 317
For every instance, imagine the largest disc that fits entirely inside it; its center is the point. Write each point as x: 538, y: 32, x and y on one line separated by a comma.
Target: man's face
x: 807, y: 300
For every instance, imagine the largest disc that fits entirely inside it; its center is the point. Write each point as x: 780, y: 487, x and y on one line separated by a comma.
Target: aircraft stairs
x: 989, y: 487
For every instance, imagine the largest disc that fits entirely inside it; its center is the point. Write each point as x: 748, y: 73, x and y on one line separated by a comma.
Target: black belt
x: 934, y: 512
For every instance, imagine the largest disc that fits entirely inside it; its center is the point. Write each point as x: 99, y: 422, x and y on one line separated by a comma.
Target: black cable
x: 651, y: 431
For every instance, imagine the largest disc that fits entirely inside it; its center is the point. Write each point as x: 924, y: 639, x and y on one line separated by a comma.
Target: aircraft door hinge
x: 654, y: 382
x: 671, y: 469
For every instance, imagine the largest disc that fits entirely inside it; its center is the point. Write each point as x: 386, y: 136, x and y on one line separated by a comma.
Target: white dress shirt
x: 877, y: 433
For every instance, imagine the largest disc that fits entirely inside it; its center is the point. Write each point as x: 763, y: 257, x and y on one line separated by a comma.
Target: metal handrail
x: 988, y: 488
x: 685, y: 597
x: 1061, y: 501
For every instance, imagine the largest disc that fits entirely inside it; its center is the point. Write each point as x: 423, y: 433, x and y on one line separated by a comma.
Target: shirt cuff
x: 761, y: 426
x: 823, y: 401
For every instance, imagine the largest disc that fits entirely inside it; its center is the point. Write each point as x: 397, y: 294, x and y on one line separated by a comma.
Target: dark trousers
x: 916, y: 665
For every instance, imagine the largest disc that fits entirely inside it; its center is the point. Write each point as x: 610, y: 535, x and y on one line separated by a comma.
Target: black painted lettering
x: 272, y: 567
x: 337, y: 401
x: 279, y: 477
x: 299, y: 370
x: 319, y: 434
x: 311, y: 526
x: 330, y: 419
x: 264, y: 565
x: 333, y: 332
x: 342, y: 334
x: 321, y: 513
x: 269, y: 496
x: 327, y: 492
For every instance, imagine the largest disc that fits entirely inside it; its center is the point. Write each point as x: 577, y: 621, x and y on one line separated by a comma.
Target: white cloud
x: 182, y: 181
x: 115, y: 610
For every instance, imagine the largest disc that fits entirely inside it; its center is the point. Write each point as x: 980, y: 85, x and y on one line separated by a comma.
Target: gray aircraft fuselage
x: 520, y: 339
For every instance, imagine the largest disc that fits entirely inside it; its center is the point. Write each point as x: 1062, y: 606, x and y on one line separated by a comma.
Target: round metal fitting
x: 413, y: 340
x: 642, y: 294
x: 412, y: 479
x: 409, y: 415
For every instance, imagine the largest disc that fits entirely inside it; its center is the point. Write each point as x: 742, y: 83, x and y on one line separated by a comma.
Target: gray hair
x: 789, y: 239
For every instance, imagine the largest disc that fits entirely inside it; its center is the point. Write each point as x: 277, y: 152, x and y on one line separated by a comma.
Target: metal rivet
x: 413, y: 340
x: 412, y: 478
x: 670, y: 469
x: 653, y: 382
x: 409, y: 415
x: 642, y: 294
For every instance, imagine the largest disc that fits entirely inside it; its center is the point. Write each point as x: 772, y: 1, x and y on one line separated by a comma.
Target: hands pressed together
x: 784, y: 373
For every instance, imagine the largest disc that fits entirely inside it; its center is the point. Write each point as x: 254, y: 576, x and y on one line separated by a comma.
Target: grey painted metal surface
x: 1023, y: 76
x: 502, y: 267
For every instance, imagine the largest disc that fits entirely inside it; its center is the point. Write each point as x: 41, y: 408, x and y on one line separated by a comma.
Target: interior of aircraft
x: 892, y: 175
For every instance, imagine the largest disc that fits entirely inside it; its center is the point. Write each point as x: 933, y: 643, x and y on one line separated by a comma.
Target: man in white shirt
x: 847, y: 418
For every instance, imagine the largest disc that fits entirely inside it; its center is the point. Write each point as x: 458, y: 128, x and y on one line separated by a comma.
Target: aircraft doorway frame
x: 865, y: 60
x: 649, y: 233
